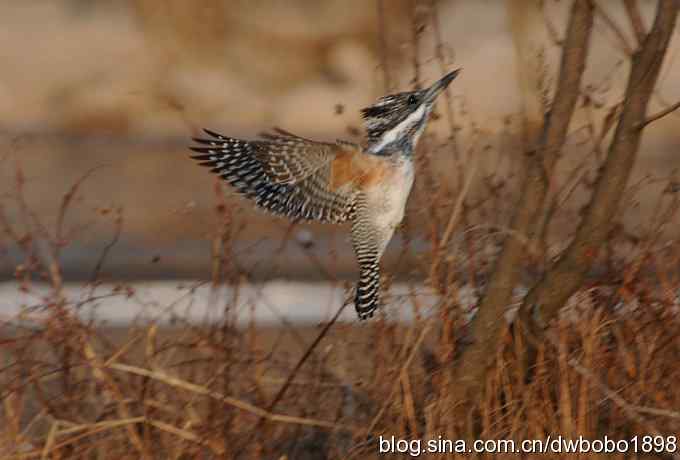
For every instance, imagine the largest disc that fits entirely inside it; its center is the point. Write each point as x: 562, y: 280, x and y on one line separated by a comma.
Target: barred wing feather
x: 282, y: 183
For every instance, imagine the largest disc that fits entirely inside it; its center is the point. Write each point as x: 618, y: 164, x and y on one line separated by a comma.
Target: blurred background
x: 115, y: 90
x: 136, y: 289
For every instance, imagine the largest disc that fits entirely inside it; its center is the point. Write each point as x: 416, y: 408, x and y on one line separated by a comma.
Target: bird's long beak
x: 440, y: 85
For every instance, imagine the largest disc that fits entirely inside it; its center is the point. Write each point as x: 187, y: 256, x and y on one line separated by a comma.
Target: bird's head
x: 396, y: 121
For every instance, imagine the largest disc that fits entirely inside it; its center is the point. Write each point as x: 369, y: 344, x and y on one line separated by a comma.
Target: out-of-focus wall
x: 149, y: 67
x: 123, y: 85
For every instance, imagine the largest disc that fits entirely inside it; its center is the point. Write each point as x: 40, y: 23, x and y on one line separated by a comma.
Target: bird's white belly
x: 390, y: 199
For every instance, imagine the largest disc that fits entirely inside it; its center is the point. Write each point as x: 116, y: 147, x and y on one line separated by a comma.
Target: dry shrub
x: 72, y: 388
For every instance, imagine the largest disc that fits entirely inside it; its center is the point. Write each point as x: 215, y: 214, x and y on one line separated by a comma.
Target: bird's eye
x: 412, y: 99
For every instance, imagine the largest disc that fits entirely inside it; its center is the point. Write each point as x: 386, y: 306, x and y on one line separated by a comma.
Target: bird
x: 337, y: 182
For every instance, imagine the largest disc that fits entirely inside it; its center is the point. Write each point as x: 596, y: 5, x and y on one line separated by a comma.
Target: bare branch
x: 560, y: 282
x: 658, y: 115
x: 614, y: 27
x: 486, y: 326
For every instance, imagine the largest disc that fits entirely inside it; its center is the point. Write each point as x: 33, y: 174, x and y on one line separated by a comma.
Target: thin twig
x: 266, y: 413
x: 234, y: 402
x: 453, y: 219
x: 614, y: 27
x: 304, y: 358
x: 658, y: 115
x: 631, y: 411
x: 382, y: 42
x: 439, y: 53
x: 397, y: 382
x: 118, y: 228
x: 66, y: 202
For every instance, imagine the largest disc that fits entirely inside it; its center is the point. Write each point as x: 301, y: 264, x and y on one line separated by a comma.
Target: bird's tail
x: 367, y: 296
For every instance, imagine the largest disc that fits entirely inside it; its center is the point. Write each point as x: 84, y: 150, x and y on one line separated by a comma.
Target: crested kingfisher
x: 335, y: 182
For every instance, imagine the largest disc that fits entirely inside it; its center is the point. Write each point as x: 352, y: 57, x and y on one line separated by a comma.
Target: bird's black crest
x: 388, y: 111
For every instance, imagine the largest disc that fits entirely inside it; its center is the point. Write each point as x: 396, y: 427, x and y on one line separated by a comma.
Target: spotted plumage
x: 335, y: 182
x: 292, y: 185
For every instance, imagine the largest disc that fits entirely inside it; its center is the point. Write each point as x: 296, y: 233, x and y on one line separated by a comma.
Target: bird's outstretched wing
x: 283, y: 173
x: 285, y: 157
x: 289, y: 159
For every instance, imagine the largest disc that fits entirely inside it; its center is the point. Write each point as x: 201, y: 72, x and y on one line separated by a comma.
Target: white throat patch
x: 394, y: 133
